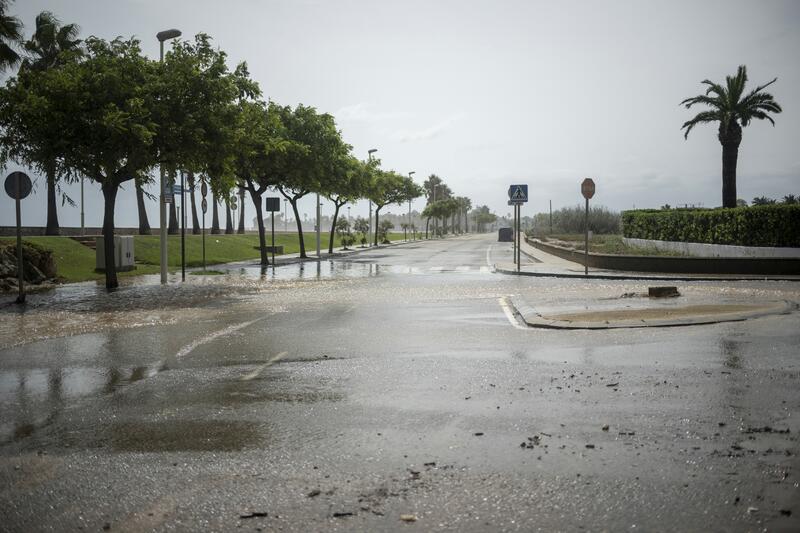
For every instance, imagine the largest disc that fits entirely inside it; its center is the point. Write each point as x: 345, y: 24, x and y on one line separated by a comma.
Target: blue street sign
x: 518, y: 193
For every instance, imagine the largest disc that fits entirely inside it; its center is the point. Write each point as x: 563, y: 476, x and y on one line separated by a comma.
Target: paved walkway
x: 536, y: 262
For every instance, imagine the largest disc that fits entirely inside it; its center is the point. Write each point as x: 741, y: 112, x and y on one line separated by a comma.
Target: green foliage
x: 763, y: 200
x: 571, y: 220
x: 766, y: 225
x: 10, y: 37
x: 383, y: 230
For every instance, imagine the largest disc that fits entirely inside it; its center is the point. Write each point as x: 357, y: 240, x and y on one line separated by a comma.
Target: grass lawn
x: 603, y: 244
x: 76, y: 262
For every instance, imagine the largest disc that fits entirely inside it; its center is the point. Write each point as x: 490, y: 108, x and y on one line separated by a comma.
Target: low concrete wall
x: 697, y: 249
x: 677, y: 265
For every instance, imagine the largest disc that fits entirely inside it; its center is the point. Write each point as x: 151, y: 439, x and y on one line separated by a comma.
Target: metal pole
x: 519, y: 238
x: 586, y: 249
x: 183, y: 231
x: 551, y: 216
x: 83, y: 228
x: 162, y: 211
x: 204, y: 241
x: 285, y: 215
x: 20, y: 276
x: 273, y: 238
x: 319, y: 226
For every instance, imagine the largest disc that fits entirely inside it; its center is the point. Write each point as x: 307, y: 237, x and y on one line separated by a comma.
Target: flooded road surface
x: 389, y: 391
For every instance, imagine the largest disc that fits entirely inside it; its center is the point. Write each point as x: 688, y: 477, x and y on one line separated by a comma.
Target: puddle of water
x: 181, y: 436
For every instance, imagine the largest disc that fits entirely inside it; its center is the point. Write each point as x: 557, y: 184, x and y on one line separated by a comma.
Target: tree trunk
x: 333, y: 226
x: 427, y: 221
x: 214, y: 215
x: 52, y: 208
x: 173, y: 228
x: 241, y: 211
x: 377, y: 209
x: 110, y: 197
x: 228, y: 219
x: 730, y: 140
x: 192, y: 186
x: 293, y: 201
x: 144, y: 224
x: 262, y: 240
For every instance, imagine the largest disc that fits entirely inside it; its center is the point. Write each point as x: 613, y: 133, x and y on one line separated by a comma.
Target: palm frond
x: 700, y: 118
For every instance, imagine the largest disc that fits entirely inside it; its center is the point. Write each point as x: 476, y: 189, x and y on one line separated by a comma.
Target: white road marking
x: 463, y: 268
x: 436, y: 269
x: 485, y: 269
x: 255, y: 373
x: 489, y: 256
x: 504, y: 303
x: 186, y: 350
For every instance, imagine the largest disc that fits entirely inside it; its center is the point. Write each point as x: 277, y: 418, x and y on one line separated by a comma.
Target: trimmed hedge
x: 765, y: 225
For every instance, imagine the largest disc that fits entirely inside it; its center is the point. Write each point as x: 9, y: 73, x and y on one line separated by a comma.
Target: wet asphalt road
x: 393, y: 384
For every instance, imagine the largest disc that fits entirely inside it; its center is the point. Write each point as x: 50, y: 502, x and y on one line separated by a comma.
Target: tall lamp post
x: 369, y: 231
x: 435, y: 219
x: 408, y: 228
x: 162, y: 212
x: 285, y: 219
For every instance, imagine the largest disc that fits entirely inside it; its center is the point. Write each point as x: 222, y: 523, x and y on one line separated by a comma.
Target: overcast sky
x: 490, y: 93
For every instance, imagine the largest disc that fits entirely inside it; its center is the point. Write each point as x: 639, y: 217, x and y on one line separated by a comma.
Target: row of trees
x: 99, y: 109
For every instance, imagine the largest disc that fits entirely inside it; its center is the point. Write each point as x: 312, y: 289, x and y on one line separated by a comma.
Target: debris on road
x: 254, y: 514
x: 408, y: 517
x: 314, y: 493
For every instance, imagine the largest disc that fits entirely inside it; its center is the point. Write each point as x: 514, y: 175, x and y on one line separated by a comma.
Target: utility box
x: 123, y: 253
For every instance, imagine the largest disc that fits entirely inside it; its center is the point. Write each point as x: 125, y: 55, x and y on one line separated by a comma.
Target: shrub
x: 764, y: 225
x: 570, y: 220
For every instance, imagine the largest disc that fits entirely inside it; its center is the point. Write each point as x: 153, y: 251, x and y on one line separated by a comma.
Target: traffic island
x: 644, y: 317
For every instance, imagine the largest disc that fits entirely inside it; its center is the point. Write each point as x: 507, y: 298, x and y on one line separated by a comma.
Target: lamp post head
x: 412, y: 173
x: 372, y: 151
x: 168, y: 34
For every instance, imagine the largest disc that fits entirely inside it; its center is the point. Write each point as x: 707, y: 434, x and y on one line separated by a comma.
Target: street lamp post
x: 369, y: 231
x: 408, y: 228
x: 319, y: 228
x: 162, y: 212
x: 435, y: 219
x: 285, y: 215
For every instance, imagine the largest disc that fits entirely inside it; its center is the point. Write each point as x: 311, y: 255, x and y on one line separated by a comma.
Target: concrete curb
x: 530, y: 317
x: 640, y: 276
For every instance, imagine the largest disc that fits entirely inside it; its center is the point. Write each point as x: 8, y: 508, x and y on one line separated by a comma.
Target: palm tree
x: 50, y: 47
x: 733, y: 111
x: 10, y: 38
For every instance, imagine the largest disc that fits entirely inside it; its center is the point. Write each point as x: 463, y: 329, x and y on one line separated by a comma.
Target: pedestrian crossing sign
x: 518, y: 193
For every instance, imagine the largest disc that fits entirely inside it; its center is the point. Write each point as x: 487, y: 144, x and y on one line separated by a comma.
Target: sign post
x: 18, y: 186
x: 273, y: 204
x: 517, y: 195
x: 183, y: 228
x: 587, y: 190
x: 204, y: 205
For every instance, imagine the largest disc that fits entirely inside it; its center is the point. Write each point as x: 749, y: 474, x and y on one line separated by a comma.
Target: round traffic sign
x: 203, y: 189
x: 204, y: 205
x: 587, y: 188
x: 24, y: 185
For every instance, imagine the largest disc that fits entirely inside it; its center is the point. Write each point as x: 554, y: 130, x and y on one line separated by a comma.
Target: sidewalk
x: 535, y: 262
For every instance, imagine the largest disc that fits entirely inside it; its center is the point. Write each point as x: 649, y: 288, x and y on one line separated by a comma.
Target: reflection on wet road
x: 345, y: 393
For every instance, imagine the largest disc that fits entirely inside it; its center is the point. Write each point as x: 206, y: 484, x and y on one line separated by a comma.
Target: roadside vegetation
x: 76, y: 262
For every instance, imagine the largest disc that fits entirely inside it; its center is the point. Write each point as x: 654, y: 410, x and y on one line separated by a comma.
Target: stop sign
x: 587, y: 188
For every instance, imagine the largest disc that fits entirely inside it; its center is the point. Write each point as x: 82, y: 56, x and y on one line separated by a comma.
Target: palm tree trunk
x: 110, y: 197
x: 144, y: 224
x: 241, y: 211
x: 214, y: 215
x: 228, y: 219
x: 730, y: 140
x: 52, y: 208
x: 173, y: 228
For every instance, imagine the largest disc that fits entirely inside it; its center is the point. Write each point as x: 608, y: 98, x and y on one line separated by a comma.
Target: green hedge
x: 766, y: 225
